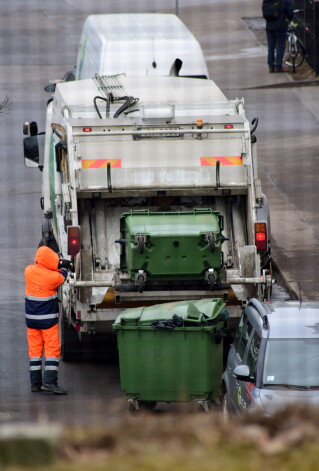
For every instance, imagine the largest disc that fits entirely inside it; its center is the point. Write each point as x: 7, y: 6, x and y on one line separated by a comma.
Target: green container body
x: 176, y: 365
x: 176, y: 244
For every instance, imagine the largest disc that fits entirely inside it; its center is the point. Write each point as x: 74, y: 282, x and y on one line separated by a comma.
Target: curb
x: 284, y: 282
x: 300, y: 83
x: 29, y: 444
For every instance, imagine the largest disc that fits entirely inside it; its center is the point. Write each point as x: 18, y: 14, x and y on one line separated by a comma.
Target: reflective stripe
x: 52, y: 359
x: 51, y: 367
x: 38, y: 298
x: 101, y: 163
x: 227, y: 160
x: 44, y: 316
x: 35, y: 358
x: 35, y: 368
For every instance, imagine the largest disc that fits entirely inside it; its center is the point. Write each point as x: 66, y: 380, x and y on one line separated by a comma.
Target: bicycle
x: 295, y: 50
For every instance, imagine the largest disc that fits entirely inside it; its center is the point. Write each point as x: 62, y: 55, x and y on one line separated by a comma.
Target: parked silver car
x: 274, y: 359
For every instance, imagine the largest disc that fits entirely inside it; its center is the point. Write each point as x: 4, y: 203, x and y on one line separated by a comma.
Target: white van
x: 138, y: 44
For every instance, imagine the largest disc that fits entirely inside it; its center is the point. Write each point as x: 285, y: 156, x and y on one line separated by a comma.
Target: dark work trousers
x: 276, y: 47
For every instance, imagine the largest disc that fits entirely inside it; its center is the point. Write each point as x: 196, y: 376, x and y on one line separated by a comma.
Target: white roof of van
x: 139, y: 44
x: 125, y: 26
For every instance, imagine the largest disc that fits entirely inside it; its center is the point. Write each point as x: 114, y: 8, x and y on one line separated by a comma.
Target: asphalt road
x: 38, y: 42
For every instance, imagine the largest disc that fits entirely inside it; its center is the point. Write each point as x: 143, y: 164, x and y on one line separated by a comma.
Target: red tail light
x: 261, y: 236
x: 74, y: 240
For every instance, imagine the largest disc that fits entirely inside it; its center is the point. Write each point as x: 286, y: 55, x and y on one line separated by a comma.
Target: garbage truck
x: 151, y: 189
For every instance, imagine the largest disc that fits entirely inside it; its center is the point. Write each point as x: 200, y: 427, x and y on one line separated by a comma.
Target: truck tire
x: 100, y: 347
x: 71, y: 348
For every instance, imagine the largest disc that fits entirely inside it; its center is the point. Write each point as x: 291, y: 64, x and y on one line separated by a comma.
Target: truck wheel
x: 71, y: 348
x: 99, y: 347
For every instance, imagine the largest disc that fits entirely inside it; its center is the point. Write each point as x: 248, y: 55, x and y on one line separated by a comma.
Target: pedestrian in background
x: 42, y: 318
x: 278, y: 14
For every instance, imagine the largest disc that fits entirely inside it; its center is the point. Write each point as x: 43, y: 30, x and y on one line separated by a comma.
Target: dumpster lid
x: 194, y: 313
x: 198, y: 221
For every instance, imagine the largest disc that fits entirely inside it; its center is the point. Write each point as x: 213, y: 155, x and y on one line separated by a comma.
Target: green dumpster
x: 172, y: 352
x: 172, y: 245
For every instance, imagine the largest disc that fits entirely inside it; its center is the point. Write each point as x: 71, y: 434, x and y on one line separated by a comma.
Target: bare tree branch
x: 5, y: 105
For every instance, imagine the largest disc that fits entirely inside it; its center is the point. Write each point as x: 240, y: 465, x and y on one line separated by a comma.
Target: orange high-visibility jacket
x: 42, y: 281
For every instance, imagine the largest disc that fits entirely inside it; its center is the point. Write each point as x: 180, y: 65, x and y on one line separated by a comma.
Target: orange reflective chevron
x: 230, y: 160
x: 101, y: 163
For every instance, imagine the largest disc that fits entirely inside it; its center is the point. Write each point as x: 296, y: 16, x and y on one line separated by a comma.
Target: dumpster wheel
x: 204, y: 405
x: 141, y: 406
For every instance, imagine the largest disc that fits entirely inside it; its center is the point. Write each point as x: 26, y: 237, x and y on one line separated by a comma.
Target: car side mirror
x: 50, y: 88
x: 30, y: 129
x: 242, y: 372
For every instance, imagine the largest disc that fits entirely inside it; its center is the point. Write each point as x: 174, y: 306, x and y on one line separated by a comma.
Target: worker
x: 42, y: 318
x: 278, y: 14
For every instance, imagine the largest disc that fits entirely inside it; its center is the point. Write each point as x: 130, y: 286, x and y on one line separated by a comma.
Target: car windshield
x: 292, y: 362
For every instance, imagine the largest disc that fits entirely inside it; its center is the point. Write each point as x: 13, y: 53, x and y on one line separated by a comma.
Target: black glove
x: 67, y: 264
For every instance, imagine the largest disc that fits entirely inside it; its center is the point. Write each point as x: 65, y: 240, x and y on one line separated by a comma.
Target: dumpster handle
x: 133, y: 322
x: 219, y: 336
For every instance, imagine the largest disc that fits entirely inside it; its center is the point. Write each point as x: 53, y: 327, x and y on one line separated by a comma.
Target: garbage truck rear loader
x: 150, y: 185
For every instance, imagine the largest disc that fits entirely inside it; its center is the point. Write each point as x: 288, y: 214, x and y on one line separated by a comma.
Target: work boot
x: 36, y: 387
x: 53, y: 388
x: 280, y: 69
